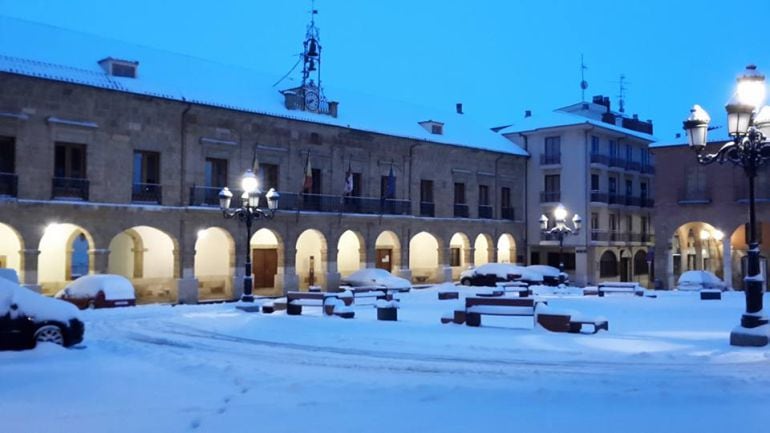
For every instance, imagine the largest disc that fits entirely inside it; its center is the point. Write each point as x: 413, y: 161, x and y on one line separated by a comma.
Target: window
x: 643, y: 191
x: 315, y: 138
x: 629, y: 187
x: 629, y: 223
x: 357, y: 185
x: 595, y: 145
x: 454, y: 256
x: 70, y: 161
x: 552, y: 183
x: 629, y: 152
x: 7, y: 155
x: 269, y: 176
x: 426, y: 191
x: 613, y: 149
x: 594, y: 221
x: 608, y: 265
x: 316, y: 175
x: 385, y: 191
x: 613, y: 185
x: 123, y: 70
x: 643, y: 224
x: 505, y: 197
x: 216, y: 172
x: 613, y: 222
x: 146, y: 167
x: 695, y: 182
x: 645, y: 154
x: 594, y: 182
x: 459, y: 193
x: 436, y: 129
x: 552, y: 146
x: 640, y: 263
x: 483, y: 195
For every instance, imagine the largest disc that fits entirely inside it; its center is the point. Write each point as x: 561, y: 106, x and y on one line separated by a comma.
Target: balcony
x: 616, y: 161
x: 646, y: 202
x: 599, y: 197
x: 616, y: 236
x: 633, y: 165
x: 485, y: 211
x: 614, y: 198
x: 599, y: 235
x: 206, y: 196
x: 337, y: 204
x: 8, y: 184
x: 427, y: 209
x: 597, y: 158
x: 507, y: 213
x: 461, y: 210
x: 549, y: 237
x: 550, y: 196
x: 550, y: 158
x: 146, y: 193
x: 694, y: 196
x: 648, y: 169
x: 648, y: 238
x: 630, y: 200
x: 69, y: 188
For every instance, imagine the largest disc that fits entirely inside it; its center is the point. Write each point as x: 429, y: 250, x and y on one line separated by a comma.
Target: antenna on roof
x: 583, y: 82
x: 622, y: 93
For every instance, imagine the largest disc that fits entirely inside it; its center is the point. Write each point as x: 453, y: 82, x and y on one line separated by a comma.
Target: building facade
x: 596, y: 163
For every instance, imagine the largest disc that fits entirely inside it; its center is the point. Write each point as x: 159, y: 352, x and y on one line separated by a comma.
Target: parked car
x: 699, y: 280
x: 491, y: 273
x: 550, y: 274
x: 28, y: 318
x: 99, y: 291
x: 376, y: 277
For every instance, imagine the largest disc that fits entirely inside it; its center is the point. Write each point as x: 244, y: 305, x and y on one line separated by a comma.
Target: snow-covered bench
x: 556, y: 320
x: 475, y: 306
x: 620, y: 287
x: 331, y: 303
x: 515, y: 287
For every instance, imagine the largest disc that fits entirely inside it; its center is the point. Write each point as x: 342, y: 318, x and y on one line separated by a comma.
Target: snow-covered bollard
x: 347, y: 297
x: 387, y: 310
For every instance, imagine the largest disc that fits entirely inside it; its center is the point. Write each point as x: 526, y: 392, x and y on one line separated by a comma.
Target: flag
x: 390, y: 186
x: 349, y: 181
x: 308, y: 185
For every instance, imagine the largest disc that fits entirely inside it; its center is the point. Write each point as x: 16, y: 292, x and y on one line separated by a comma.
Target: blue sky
x: 497, y: 57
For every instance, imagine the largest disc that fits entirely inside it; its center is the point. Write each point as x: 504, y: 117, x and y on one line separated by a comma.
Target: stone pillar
x: 98, y: 260
x: 581, y: 267
x: 468, y: 257
x: 187, y: 285
x: 288, y: 279
x: 404, y: 271
x: 29, y: 269
x: 698, y: 252
x: 492, y: 254
x: 332, y: 272
x: 670, y: 267
x: 727, y: 261
x: 368, y: 255
x: 444, y: 271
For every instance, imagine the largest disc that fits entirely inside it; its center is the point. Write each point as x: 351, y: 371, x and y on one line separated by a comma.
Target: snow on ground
x: 665, y: 365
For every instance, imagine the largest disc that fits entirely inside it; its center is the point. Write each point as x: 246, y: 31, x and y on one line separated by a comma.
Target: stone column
x: 727, y: 261
x: 404, y: 271
x: 29, y: 269
x: 444, y: 271
x: 332, y: 272
x: 468, y: 257
x: 492, y: 254
x: 98, y: 260
x: 288, y: 280
x: 187, y: 284
x: 368, y: 255
x: 581, y: 266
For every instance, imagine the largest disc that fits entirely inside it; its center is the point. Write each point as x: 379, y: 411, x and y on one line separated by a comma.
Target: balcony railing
x: 507, y: 213
x: 336, y: 204
x: 146, y: 193
x: 550, y: 196
x: 69, y: 188
x: 549, y: 236
x: 461, y: 210
x: 485, y: 211
x: 427, y: 209
x: 613, y: 198
x: 598, y: 158
x: 8, y: 184
x: 616, y: 236
x: 648, y: 168
x: 599, y: 235
x: 646, y: 202
x: 633, y: 165
x: 206, y: 196
x: 616, y: 161
x: 630, y: 200
x: 550, y: 158
x: 599, y: 197
x: 694, y: 196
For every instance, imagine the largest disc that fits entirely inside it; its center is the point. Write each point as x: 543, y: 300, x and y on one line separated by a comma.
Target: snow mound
x: 34, y: 305
x: 88, y: 286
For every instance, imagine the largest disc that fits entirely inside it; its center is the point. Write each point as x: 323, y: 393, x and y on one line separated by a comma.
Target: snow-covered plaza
x: 665, y: 365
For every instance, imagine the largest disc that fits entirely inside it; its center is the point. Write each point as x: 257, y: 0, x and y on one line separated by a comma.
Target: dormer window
x: 433, y: 127
x: 119, y: 68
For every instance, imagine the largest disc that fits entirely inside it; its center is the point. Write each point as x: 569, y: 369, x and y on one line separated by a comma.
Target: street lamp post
x: 748, y: 124
x: 560, y: 229
x: 248, y: 212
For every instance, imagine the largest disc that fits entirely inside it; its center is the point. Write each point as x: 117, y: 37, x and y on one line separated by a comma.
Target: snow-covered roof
x: 557, y: 119
x: 716, y: 135
x: 53, y: 53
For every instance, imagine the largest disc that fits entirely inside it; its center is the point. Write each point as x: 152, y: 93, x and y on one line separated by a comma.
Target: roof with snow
x: 53, y: 53
x: 557, y: 119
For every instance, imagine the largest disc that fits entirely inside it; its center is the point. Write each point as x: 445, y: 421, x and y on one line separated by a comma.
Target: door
x: 264, y: 265
x: 625, y: 268
x: 384, y: 259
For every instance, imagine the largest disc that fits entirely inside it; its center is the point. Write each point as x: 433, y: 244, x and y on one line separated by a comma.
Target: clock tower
x: 310, y: 96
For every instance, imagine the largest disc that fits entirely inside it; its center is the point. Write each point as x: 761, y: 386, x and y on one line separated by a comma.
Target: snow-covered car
x: 99, y: 291
x: 699, y: 280
x: 376, y: 277
x: 491, y: 273
x: 28, y: 318
x: 550, y: 274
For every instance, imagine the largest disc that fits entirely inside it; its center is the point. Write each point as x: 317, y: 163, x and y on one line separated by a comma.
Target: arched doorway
x: 506, y: 249
x: 459, y: 254
x: 63, y: 256
x: 641, y: 268
x: 351, y: 254
x: 214, y: 263
x: 424, y: 258
x: 10, y: 249
x: 696, y: 246
x: 266, y: 259
x: 482, y: 249
x: 608, y: 265
x: 388, y: 252
x: 739, y: 250
x: 146, y: 256
x: 311, y: 259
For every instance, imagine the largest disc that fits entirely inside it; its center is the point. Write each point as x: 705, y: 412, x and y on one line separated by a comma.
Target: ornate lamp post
x: 560, y: 230
x: 748, y: 124
x: 248, y: 212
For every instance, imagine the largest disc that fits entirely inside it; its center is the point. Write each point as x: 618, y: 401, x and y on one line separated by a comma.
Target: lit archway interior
x: 481, y: 249
x: 696, y: 246
x: 266, y: 258
x: 506, y: 249
x: 10, y: 249
x: 351, y: 254
x: 739, y: 249
x: 423, y: 257
x: 214, y: 263
x: 63, y: 256
x: 459, y: 253
x: 311, y: 259
x: 146, y: 256
x: 387, y: 251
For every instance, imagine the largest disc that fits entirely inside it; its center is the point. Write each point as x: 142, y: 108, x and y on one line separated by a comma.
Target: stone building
x: 595, y: 162
x: 112, y: 155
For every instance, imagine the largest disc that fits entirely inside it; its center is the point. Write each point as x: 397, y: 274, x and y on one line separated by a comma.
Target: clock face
x: 311, y: 101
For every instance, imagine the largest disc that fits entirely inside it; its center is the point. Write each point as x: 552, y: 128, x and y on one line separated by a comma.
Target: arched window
x: 640, y: 263
x: 608, y: 265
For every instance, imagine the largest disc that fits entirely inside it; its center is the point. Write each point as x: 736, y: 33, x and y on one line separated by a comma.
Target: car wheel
x: 465, y: 281
x: 49, y: 334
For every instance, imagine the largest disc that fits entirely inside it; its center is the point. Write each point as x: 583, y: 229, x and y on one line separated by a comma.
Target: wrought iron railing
x: 8, y: 184
x: 146, y: 193
x: 485, y: 211
x: 69, y: 188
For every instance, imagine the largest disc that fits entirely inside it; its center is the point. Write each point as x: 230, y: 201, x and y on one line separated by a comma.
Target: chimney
x: 527, y: 113
x: 333, y: 107
x: 459, y: 107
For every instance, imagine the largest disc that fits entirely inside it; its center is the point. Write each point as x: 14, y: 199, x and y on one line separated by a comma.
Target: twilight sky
x: 498, y: 57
